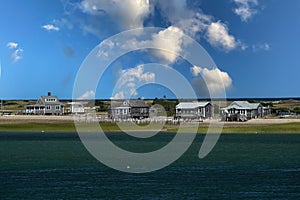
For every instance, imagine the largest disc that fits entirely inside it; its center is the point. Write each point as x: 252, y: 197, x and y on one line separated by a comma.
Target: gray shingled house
x: 244, y: 108
x: 126, y: 109
x: 194, y: 110
x: 46, y: 105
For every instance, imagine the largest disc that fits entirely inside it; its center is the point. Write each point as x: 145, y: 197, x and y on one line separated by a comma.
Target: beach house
x: 76, y: 108
x: 125, y: 109
x: 194, y: 110
x: 46, y: 105
x: 243, y: 110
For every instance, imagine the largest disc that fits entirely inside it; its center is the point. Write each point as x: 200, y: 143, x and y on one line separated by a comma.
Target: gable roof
x: 137, y: 103
x: 242, y: 105
x: 42, y: 100
x: 191, y: 105
x: 130, y: 103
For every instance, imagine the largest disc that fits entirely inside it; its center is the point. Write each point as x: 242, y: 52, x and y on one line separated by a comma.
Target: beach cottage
x: 243, y: 110
x: 76, y: 108
x: 46, y: 105
x: 194, y: 110
x: 135, y: 109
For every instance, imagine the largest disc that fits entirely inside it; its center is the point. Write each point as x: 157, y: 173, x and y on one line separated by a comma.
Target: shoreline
x: 20, y: 119
x: 34, y: 123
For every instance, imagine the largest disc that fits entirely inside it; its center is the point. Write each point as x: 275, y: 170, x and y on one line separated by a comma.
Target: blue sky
x: 254, y: 45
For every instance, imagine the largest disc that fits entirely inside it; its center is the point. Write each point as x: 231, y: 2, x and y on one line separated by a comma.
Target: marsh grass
x: 111, y: 127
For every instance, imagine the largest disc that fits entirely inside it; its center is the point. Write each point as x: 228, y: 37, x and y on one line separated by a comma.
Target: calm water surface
x: 241, y: 166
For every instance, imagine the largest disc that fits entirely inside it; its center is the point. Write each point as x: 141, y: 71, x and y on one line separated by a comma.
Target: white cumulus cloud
x: 245, y: 9
x: 128, y: 13
x: 50, y: 27
x: 172, y: 39
x: 196, y: 24
x: 168, y: 44
x: 129, y: 80
x: 103, y: 18
x: 210, y: 81
x: 217, y: 35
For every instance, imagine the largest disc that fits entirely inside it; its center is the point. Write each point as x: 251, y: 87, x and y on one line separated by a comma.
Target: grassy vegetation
x: 15, y: 106
x: 39, y: 127
x: 274, y: 128
x: 111, y: 127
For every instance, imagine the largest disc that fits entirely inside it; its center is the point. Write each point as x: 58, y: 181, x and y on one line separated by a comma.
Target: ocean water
x: 241, y: 166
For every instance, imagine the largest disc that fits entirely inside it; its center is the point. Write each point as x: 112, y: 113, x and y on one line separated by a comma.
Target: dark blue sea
x: 241, y: 166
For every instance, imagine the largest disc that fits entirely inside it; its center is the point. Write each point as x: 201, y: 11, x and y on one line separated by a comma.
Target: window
x: 51, y: 100
x: 57, y: 107
x: 48, y: 107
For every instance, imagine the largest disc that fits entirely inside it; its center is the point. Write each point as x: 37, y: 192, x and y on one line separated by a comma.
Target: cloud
x: 180, y: 15
x: 210, y: 81
x: 104, y: 18
x: 129, y: 80
x: 88, y: 95
x: 196, y: 24
x: 12, y: 45
x: 264, y: 47
x: 195, y: 70
x: 119, y: 95
x: 127, y: 13
x: 50, y: 27
x: 16, y: 55
x: 170, y: 38
x: 218, y: 36
x: 245, y: 9
x: 166, y: 44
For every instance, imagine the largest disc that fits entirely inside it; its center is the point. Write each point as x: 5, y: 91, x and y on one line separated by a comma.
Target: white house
x: 77, y: 108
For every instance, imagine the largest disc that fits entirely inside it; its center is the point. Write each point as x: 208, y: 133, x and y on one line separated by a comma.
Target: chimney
x: 49, y: 94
